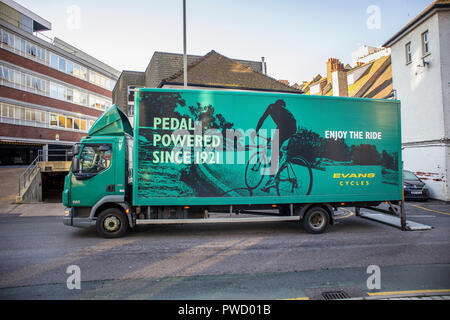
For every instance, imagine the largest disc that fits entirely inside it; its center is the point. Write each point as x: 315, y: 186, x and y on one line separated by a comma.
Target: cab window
x: 95, y: 158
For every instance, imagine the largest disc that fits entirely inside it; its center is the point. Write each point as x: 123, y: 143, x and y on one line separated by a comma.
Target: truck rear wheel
x: 316, y: 220
x: 112, y: 223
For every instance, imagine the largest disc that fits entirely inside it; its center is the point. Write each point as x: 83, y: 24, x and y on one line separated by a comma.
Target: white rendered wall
x: 424, y: 96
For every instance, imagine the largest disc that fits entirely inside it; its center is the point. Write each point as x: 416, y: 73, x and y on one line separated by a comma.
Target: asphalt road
x: 223, y: 261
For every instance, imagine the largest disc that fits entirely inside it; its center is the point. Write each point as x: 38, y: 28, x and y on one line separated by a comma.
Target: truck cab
x: 98, y: 185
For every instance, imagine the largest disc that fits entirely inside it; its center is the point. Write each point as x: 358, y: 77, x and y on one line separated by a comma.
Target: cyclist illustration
x: 286, y: 128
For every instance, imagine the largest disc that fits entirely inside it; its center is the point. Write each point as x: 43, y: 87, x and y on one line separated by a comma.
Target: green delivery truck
x: 200, y: 156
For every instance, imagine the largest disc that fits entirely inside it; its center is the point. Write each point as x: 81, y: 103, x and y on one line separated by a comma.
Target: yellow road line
x: 350, y: 213
x: 431, y: 210
x: 301, y: 298
x: 389, y: 293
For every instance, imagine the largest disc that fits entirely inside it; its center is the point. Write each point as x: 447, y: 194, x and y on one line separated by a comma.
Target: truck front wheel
x: 316, y: 220
x: 112, y: 223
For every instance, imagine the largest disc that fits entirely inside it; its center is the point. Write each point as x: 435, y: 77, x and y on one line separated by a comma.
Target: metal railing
x: 28, y: 173
x: 43, y: 155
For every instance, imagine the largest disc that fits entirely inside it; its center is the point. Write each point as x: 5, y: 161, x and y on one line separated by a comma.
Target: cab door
x: 96, y: 175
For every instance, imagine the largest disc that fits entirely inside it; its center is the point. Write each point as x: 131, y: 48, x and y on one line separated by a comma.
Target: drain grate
x: 335, y: 295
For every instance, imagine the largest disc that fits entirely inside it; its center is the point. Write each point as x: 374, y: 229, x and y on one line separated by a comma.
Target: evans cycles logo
x: 354, y: 179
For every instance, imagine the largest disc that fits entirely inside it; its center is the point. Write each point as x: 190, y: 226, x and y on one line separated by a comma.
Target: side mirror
x: 76, y: 149
x: 75, y: 164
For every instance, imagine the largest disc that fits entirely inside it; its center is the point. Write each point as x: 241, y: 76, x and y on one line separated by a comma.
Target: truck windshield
x: 94, y: 159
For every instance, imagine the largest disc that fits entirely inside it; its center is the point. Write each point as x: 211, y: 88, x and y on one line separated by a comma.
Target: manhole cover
x: 335, y: 295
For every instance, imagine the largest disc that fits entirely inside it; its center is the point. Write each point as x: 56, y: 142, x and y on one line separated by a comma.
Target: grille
x: 335, y: 295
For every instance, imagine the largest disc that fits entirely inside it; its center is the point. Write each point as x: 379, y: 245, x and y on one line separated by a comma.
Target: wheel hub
x: 111, y: 223
x: 317, y: 220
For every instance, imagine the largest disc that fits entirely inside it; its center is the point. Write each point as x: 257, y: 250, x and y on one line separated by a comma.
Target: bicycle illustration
x: 293, y: 177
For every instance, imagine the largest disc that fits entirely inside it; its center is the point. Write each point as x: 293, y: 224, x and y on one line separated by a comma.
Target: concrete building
x: 212, y: 71
x: 421, y: 77
x: 50, y: 92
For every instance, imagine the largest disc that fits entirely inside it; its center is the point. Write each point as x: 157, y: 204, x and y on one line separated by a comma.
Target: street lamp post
x: 184, y: 45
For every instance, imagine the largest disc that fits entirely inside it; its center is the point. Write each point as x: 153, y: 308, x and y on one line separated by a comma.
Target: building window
x: 131, y: 90
x: 70, y: 67
x: 425, y: 43
x: 408, y: 53
x: 54, y: 61
x: 26, y: 24
x: 80, y: 72
x: 69, y: 123
x: 38, y: 118
x: 53, y: 120
x: 62, y: 65
x: 62, y: 121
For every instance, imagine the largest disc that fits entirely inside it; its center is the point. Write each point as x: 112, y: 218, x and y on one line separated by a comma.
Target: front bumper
x: 70, y: 220
x: 416, y: 194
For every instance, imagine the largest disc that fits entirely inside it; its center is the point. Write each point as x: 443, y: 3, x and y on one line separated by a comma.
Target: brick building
x: 370, y: 77
x: 212, y: 71
x: 50, y: 92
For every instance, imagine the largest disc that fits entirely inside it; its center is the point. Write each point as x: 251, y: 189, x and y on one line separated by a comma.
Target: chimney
x: 332, y: 66
x: 340, y: 83
x: 264, y: 66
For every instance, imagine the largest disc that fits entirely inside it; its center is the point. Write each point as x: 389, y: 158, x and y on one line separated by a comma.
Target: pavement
x: 39, y: 209
x: 10, y: 183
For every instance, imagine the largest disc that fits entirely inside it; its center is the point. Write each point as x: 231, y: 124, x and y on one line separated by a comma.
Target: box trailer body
x: 198, y: 150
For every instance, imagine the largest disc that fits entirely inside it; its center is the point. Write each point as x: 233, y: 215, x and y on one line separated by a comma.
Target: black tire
x: 316, y: 220
x: 112, y: 223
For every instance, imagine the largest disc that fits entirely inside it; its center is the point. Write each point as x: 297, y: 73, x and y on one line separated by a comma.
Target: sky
x: 295, y: 37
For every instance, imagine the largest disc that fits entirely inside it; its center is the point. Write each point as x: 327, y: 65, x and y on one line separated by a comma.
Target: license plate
x: 416, y: 192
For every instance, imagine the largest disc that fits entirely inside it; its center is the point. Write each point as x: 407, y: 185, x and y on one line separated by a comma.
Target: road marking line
x: 351, y: 213
x: 301, y: 298
x: 388, y: 293
x: 431, y: 210
x: 30, y: 271
x: 421, y: 216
